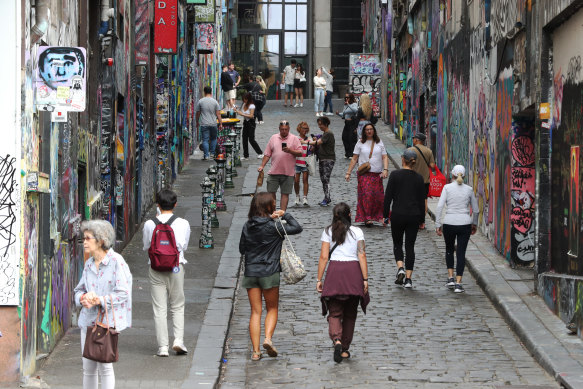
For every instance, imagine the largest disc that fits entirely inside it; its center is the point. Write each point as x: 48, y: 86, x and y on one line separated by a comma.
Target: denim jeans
x: 328, y: 102
x: 319, y: 100
x: 209, y: 133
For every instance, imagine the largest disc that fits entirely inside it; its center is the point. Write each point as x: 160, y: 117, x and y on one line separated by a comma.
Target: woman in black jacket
x: 260, y: 243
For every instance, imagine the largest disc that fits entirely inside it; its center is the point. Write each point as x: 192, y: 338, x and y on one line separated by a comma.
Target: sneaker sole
x: 179, y: 350
x: 400, y: 278
x: 459, y: 291
x: 408, y: 286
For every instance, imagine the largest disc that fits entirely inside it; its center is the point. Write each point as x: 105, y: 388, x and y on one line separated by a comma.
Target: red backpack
x: 164, y: 255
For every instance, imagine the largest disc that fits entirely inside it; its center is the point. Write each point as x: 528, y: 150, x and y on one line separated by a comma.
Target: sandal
x: 269, y: 347
x: 369, y: 223
x: 347, y: 354
x: 337, y: 352
x: 256, y: 356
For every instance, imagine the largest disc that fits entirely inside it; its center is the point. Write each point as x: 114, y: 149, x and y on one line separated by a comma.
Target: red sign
x: 165, y: 26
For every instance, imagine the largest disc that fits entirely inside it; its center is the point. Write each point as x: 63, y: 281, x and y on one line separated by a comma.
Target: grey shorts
x: 280, y: 181
x: 268, y: 282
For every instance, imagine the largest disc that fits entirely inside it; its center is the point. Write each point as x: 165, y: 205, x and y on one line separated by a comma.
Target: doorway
x: 259, y: 54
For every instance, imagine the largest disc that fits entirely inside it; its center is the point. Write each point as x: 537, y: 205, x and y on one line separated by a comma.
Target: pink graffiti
x: 523, y: 151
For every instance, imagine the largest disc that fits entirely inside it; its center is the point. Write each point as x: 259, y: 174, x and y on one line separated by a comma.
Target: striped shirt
x: 301, y: 161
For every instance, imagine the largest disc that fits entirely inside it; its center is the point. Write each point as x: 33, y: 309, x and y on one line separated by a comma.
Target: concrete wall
x: 321, y: 32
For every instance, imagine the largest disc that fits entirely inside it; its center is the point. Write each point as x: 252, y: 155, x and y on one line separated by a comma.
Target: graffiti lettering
x: 523, y: 150
x: 574, y: 70
x: 364, y: 84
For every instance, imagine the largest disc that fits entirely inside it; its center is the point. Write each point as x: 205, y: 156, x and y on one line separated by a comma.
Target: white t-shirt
x: 289, y: 74
x: 376, y: 161
x: 181, y: 228
x: 348, y: 250
x: 248, y: 110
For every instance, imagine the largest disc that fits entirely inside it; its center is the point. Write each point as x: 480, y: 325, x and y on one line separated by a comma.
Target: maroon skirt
x: 371, y: 197
x: 344, y: 279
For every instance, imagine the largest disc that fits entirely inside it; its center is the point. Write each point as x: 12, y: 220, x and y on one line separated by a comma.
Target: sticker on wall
x: 60, y: 78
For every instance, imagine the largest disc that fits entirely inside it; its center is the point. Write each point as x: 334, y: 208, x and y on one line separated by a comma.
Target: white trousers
x: 92, y: 370
x: 166, y: 285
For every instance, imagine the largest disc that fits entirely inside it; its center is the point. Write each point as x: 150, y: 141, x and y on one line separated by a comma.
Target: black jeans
x: 259, y: 104
x: 462, y: 233
x: 328, y: 102
x: 349, y: 137
x: 407, y: 225
x: 249, y: 136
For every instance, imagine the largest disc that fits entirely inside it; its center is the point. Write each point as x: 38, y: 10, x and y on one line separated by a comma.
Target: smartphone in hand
x: 283, y: 145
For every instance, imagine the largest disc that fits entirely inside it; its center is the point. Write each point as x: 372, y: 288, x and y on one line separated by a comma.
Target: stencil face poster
x: 60, y: 78
x: 574, y: 203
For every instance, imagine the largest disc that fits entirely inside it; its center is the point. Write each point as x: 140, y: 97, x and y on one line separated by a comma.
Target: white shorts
x: 230, y: 94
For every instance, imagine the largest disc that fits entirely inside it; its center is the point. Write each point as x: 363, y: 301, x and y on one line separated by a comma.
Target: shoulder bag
x: 365, y: 167
x: 101, y: 339
x: 311, y: 162
x: 292, y: 268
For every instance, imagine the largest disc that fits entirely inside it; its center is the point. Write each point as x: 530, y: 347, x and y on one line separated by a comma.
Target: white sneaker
x: 261, y: 122
x: 260, y: 156
x: 329, y: 113
x: 243, y: 158
x: 162, y: 351
x: 301, y: 104
x: 317, y: 114
x: 179, y: 348
x: 297, y: 202
x: 305, y: 202
x: 297, y: 105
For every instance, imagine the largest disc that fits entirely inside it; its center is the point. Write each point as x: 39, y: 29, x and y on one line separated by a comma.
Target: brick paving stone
x: 427, y: 337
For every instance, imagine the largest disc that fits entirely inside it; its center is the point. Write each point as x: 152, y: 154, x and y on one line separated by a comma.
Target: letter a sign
x: 165, y: 26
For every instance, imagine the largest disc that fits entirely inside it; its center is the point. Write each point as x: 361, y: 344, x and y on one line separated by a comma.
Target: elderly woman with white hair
x: 106, y: 279
x: 457, y: 224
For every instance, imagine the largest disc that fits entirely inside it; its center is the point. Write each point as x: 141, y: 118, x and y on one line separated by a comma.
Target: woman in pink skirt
x: 370, y: 150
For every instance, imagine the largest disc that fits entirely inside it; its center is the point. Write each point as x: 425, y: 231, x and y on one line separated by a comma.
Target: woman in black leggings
x: 406, y: 193
x: 457, y: 224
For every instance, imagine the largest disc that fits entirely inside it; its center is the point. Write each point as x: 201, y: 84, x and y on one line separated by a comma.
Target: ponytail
x: 460, y: 179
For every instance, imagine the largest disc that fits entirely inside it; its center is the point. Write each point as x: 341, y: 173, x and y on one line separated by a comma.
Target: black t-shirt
x: 226, y: 82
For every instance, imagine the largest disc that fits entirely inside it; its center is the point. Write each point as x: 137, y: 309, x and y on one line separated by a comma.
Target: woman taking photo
x: 248, y: 113
x: 106, y: 279
x: 346, y: 283
x: 319, y: 92
x: 349, y: 131
x: 301, y: 167
x: 299, y: 84
x: 260, y: 243
x: 370, y: 150
x: 405, y: 195
x: 457, y: 224
x: 326, y: 156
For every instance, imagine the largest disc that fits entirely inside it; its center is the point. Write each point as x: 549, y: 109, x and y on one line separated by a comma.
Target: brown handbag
x: 365, y: 167
x: 101, y: 339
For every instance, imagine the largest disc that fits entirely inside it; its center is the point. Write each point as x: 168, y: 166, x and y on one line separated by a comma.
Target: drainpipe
x: 41, y: 18
x: 106, y: 13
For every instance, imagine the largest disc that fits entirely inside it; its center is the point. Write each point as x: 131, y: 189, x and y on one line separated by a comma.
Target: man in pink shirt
x: 282, y: 148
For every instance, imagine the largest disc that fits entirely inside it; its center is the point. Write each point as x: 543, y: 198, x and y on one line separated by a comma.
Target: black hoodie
x: 261, y: 244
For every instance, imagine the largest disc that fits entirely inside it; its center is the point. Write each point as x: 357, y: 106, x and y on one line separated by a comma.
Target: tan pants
x: 164, y: 285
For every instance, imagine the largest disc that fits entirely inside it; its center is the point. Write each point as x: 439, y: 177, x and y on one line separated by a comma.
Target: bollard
x: 238, y: 129
x: 212, y: 175
x: 219, y: 199
x: 206, y: 236
x: 233, y: 139
x: 229, y: 165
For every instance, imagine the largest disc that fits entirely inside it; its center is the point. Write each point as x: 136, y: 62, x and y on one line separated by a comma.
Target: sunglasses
x: 284, y: 123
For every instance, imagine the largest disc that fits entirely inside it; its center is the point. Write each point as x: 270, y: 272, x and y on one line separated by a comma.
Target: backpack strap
x: 171, y: 220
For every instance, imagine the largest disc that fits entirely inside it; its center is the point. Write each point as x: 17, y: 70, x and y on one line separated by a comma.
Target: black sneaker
x: 450, y: 283
x: 408, y: 283
x: 400, y: 276
x: 459, y: 288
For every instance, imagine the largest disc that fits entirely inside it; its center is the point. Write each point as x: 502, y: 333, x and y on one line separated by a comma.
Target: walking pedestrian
x: 208, y: 112
x: 228, y: 87
x: 346, y: 283
x: 365, y: 114
x: 370, y: 150
x: 301, y: 167
x: 236, y: 80
x: 457, y: 224
x: 248, y: 112
x: 404, y: 209
x: 256, y: 90
x: 168, y: 285
x: 299, y: 85
x: 283, y: 148
x: 349, y: 131
x: 260, y: 243
x: 258, y: 112
x: 319, y: 91
x: 106, y: 279
x: 426, y: 162
x: 329, y: 76
x: 326, y: 156
x: 287, y: 78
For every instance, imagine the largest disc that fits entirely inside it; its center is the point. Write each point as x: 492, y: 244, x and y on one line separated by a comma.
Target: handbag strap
x: 285, y: 233
x: 101, y: 311
x: 371, y: 149
x: 422, y: 155
x: 332, y: 250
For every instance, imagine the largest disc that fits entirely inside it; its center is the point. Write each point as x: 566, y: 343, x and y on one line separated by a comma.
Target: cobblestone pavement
x: 427, y: 337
